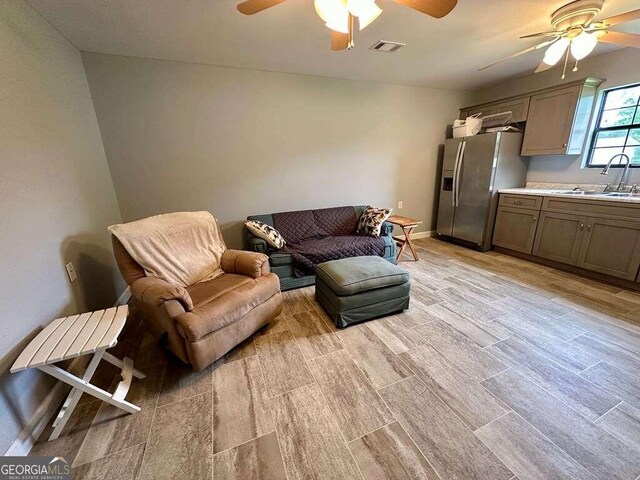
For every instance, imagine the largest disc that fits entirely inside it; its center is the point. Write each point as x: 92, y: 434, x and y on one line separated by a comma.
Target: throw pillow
x: 266, y: 232
x: 372, y: 219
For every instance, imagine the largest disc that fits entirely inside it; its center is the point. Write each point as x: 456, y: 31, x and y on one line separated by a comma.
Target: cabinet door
x: 484, y: 111
x: 550, y: 121
x: 559, y: 237
x: 611, y: 247
x: 515, y: 229
x: 519, y: 108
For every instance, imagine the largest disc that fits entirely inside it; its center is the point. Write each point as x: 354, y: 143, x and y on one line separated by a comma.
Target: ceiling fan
x: 574, y: 32
x: 340, y: 16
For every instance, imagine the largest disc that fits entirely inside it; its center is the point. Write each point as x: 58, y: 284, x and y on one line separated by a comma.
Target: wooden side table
x: 74, y: 336
x: 407, y: 224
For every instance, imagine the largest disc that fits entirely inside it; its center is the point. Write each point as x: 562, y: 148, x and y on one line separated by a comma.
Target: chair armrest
x: 253, y: 243
x: 258, y: 245
x: 241, y: 262
x: 386, y: 229
x: 153, y: 291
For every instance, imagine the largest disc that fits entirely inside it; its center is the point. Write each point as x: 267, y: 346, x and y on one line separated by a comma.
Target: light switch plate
x: 400, y: 205
x: 71, y: 271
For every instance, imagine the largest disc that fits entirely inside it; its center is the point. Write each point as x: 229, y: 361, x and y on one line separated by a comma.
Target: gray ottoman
x: 356, y: 289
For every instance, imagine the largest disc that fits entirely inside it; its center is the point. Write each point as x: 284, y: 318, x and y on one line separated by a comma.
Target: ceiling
x: 290, y: 37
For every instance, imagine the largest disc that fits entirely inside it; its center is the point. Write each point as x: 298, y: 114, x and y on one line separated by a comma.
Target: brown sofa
x: 201, y: 323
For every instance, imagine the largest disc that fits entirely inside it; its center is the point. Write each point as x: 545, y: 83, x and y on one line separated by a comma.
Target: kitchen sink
x: 578, y: 192
x: 592, y: 193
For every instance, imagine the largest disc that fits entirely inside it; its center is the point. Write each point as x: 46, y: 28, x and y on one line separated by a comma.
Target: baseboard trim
x: 28, y: 436
x: 49, y: 407
x: 124, y: 297
x: 22, y: 445
x: 428, y: 234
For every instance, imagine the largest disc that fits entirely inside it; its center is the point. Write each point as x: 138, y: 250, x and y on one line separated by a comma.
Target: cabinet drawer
x: 621, y: 211
x: 521, y: 201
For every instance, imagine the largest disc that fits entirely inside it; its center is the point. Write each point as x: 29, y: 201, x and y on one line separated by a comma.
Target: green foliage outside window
x: 618, y: 127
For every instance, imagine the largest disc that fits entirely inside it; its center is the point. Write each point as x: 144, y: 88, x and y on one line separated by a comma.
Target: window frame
x: 597, y: 128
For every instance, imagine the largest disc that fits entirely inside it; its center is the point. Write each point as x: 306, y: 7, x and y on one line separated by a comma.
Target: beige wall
x: 56, y: 199
x: 621, y: 67
x: 181, y: 136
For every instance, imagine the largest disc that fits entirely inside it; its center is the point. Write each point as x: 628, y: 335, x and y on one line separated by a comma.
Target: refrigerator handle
x: 457, y: 174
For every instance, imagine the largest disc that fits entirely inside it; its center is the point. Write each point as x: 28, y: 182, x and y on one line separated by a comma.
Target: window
x: 617, y: 128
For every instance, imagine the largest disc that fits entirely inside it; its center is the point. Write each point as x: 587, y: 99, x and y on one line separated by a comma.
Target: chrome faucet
x: 625, y: 174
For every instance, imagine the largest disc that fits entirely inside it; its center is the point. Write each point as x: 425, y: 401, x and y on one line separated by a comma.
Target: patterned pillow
x: 372, y: 219
x: 266, y: 232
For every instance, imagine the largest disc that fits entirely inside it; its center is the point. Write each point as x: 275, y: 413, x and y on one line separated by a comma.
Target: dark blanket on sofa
x: 316, y: 236
x: 309, y: 253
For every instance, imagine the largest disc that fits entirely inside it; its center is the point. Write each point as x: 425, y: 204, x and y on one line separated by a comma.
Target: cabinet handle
x: 588, y: 228
x: 518, y: 202
x: 534, y: 219
x: 581, y: 226
x: 564, y: 144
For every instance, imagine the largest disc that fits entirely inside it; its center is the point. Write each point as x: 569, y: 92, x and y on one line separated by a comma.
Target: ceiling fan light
x: 342, y: 27
x: 331, y: 11
x: 339, y: 22
x: 357, y: 6
x: 555, y: 52
x: 368, y: 15
x: 583, y: 45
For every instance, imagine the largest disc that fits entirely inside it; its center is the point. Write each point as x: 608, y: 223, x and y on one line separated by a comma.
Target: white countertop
x: 545, y: 192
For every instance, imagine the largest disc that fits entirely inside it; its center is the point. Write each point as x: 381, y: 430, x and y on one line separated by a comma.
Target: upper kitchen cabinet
x: 517, y: 106
x: 484, y: 110
x: 558, y: 119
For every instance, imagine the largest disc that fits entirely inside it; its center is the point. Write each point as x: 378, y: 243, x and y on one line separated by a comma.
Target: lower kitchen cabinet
x: 515, y: 229
x: 559, y: 237
x: 611, y: 247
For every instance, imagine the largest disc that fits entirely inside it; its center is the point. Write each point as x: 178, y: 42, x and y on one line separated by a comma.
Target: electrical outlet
x: 71, y: 271
x: 400, y: 205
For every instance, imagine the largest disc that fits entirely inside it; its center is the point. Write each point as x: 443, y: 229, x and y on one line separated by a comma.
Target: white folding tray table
x: 74, y: 336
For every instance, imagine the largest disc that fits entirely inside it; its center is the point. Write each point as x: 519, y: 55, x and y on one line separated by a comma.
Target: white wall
x: 181, y: 136
x: 621, y: 67
x: 56, y: 199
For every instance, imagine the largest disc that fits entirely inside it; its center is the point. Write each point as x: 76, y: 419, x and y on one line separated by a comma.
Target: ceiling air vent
x: 388, y: 47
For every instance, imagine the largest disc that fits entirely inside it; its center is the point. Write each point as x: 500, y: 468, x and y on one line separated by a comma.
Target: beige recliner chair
x: 201, y: 323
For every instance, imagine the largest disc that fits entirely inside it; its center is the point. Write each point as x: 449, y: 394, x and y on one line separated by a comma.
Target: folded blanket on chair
x: 182, y: 248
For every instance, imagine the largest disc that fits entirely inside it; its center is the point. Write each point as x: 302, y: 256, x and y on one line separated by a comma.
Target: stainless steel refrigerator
x: 474, y: 169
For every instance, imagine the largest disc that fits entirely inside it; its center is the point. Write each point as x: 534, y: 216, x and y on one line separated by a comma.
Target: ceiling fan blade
x: 622, y: 18
x: 542, y: 34
x: 433, y: 8
x: 249, y: 7
x: 339, y: 41
x: 542, y: 67
x: 527, y: 50
x: 620, y: 38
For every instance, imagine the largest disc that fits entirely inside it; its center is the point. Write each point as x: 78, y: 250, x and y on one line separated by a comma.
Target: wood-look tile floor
x: 500, y: 369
